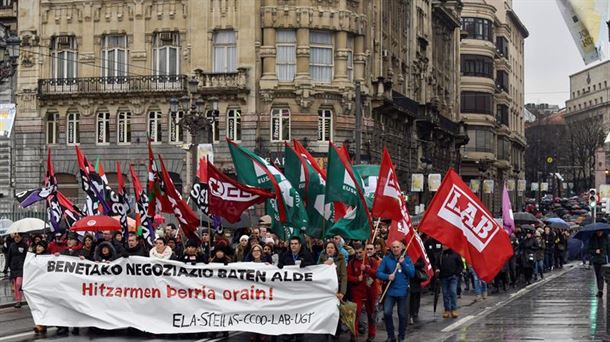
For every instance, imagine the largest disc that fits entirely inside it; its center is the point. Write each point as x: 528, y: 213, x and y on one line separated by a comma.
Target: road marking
x: 29, y: 334
x: 458, y: 323
x: 231, y: 334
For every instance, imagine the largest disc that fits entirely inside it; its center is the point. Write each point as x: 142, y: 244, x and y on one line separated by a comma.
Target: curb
x: 11, y: 304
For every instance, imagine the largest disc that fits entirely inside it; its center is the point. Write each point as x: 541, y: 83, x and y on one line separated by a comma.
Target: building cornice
x: 513, y: 16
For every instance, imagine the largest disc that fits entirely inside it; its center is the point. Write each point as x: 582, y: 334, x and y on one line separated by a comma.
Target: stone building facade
x: 101, y: 75
x: 492, y: 95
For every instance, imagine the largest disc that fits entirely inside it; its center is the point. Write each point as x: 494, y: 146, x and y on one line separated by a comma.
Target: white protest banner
x: 163, y: 297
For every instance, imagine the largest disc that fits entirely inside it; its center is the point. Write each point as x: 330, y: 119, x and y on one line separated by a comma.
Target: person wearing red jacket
x: 57, y: 246
x: 365, y: 287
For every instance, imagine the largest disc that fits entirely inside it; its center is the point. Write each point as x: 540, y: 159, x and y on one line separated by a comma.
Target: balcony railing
x: 106, y: 85
x: 6, y: 4
x: 213, y: 83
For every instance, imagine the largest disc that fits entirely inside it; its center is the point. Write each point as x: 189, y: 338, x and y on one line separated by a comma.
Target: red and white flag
x: 389, y: 203
x: 457, y: 219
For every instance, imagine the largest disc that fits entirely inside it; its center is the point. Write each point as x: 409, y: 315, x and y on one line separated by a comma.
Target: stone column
x: 268, y: 55
x: 359, y: 58
x: 302, y: 76
x: 341, y: 57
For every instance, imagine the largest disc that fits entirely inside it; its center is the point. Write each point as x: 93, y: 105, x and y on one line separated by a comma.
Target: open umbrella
x: 131, y: 223
x: 524, y: 217
x: 96, y: 223
x: 27, y: 225
x: 559, y: 225
x: 4, y: 225
x: 590, y: 229
x: 554, y: 220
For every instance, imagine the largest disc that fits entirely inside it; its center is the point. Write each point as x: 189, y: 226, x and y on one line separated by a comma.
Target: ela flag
x: 143, y: 221
x: 311, y: 185
x: 286, y: 209
x: 369, y: 174
x: 344, y: 185
x: 457, y: 219
x: 187, y: 219
x: 507, y: 212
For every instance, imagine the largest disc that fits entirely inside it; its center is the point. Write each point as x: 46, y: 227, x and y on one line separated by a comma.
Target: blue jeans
x: 388, y: 307
x: 548, y: 260
x: 539, y: 268
x: 449, y: 286
x: 479, y: 285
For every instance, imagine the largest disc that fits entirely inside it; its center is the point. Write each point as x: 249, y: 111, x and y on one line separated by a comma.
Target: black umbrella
x: 559, y: 225
x: 590, y: 229
x: 524, y: 217
x: 437, y: 290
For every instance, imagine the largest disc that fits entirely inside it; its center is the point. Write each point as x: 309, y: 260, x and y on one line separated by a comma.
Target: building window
x: 114, y: 56
x: 154, y: 126
x: 166, y: 53
x: 481, y: 140
x: 325, y: 125
x: 476, y: 102
x: 280, y: 124
x: 234, y: 124
x: 502, y: 46
x: 64, y: 57
x: 286, y: 59
x: 478, y: 66
x: 176, y: 133
x: 124, y: 127
x: 350, y: 57
x: 52, y: 120
x: 212, y: 116
x: 478, y: 28
x: 73, y: 129
x: 103, y: 128
x: 502, y: 80
x: 503, y: 151
x: 502, y: 114
x: 225, y: 51
x: 321, y: 56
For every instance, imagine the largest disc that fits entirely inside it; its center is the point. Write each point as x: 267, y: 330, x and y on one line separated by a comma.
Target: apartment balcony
x: 8, y: 9
x: 233, y: 84
x: 100, y: 86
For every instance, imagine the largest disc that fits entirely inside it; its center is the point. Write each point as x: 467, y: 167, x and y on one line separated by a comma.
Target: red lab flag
x: 457, y: 219
x: 389, y: 203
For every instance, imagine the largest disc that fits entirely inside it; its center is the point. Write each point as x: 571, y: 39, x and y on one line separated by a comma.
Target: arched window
x: 234, y: 124
x: 73, y: 129
x: 103, y: 128
x: 123, y: 127
x: 52, y: 119
x: 154, y: 126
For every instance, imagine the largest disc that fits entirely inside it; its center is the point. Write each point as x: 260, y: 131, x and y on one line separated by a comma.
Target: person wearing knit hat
x: 269, y: 241
x: 243, y: 248
x: 192, y: 254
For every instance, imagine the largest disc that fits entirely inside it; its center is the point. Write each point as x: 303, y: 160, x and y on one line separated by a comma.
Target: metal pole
x: 516, y: 191
x: 358, y: 136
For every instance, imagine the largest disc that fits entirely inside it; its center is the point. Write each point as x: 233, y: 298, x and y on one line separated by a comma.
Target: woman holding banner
x: 329, y: 256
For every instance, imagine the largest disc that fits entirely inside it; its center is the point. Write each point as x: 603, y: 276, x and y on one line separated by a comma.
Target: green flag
x: 286, y: 209
x: 311, y: 185
x: 369, y: 175
x: 344, y: 185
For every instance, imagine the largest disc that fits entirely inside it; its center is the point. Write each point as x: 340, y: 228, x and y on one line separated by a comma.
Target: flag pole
x: 209, y: 239
x: 397, y: 266
x: 376, y: 230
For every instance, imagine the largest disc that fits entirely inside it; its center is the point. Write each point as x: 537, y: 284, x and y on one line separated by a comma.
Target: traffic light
x: 592, y: 198
x: 606, y: 205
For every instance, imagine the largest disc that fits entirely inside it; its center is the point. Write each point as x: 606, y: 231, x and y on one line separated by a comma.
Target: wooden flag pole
x: 376, y: 230
x: 397, y: 266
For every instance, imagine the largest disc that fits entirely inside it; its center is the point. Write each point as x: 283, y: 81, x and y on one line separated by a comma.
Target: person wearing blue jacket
x: 398, y: 290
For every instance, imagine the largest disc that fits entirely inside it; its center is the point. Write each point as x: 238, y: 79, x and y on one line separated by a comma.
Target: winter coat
x: 450, y: 264
x: 77, y: 251
x: 359, y: 288
x: 165, y: 255
x: 138, y: 250
x: 287, y: 258
x: 339, y: 261
x: 529, y: 247
x: 400, y: 286
x: 16, y: 258
x: 195, y: 259
x: 549, y: 241
x: 601, y: 243
x: 55, y: 247
x: 415, y: 282
x: 98, y: 256
x: 539, y: 254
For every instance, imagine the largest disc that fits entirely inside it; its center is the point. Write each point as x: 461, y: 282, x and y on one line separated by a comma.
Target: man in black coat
x: 296, y: 255
x: 134, y: 246
x: 15, y: 260
x: 73, y: 247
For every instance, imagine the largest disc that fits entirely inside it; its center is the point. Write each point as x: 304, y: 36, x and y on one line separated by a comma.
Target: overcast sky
x: 550, y: 53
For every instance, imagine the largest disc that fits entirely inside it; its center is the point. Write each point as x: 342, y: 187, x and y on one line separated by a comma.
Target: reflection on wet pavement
x: 564, y: 309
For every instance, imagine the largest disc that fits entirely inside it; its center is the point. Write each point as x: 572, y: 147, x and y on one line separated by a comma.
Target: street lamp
x: 516, y: 172
x: 426, y: 165
x: 194, y: 120
x: 483, y: 167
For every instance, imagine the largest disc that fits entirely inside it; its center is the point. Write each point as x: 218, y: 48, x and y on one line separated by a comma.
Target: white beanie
x: 244, y: 237
x: 269, y: 240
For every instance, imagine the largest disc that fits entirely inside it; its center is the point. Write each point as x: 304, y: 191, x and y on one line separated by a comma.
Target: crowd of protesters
x: 364, y: 268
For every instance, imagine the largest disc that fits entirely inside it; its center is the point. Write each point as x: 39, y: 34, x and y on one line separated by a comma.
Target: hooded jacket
x: 98, y: 256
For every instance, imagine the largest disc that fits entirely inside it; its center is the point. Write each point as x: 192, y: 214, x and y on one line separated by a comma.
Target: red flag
x: 154, y: 187
x: 387, y: 203
x: 457, y: 219
x: 202, y: 172
x: 137, y: 187
x: 188, y: 220
x: 229, y: 198
x: 302, y: 151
